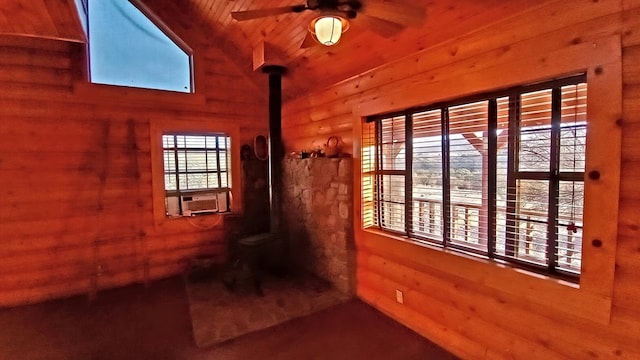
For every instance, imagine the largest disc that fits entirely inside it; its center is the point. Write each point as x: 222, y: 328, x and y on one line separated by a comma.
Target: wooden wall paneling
x: 631, y: 30
x: 81, y: 129
x: 19, y: 246
x: 17, y: 184
x: 222, y: 107
x: 146, y: 110
x: 198, y: 235
x: 625, y: 313
x: 45, y: 260
x: 319, y: 129
x: 499, y: 46
x: 517, y: 316
x: 631, y: 128
x: 113, y: 280
x: 20, y: 90
x: 632, y: 90
x: 83, y: 197
x: 52, y: 290
x: 65, y: 161
x: 20, y: 56
x: 36, y: 44
x: 17, y: 210
x: 623, y: 321
x: 306, y: 116
x: 165, y: 270
x: 494, y: 277
x: 556, y: 41
x: 629, y: 225
x: 630, y: 4
x: 93, y: 227
x: 41, y: 278
x: 13, y: 73
x: 470, y: 327
x: 38, y: 243
x: 631, y: 76
x: 630, y: 109
x: 182, y: 255
x: 457, y: 344
x: 628, y: 263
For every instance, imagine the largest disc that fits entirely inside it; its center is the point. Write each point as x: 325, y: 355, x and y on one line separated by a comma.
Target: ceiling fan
x: 384, y: 17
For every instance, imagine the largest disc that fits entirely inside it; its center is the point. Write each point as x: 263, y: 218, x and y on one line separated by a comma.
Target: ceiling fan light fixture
x: 329, y: 28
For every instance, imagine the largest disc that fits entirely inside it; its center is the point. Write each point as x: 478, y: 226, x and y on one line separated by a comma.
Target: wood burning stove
x: 252, y: 252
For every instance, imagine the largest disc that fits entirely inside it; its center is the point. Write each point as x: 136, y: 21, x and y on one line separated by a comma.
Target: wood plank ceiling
x: 309, y: 69
x: 361, y: 49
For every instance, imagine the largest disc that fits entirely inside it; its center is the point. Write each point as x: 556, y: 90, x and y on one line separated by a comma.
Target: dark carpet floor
x: 153, y: 323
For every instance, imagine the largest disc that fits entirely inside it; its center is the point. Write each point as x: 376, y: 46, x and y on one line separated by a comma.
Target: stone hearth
x: 317, y: 212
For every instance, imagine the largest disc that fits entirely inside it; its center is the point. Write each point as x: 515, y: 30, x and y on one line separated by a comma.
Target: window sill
x: 199, y: 215
x: 192, y: 223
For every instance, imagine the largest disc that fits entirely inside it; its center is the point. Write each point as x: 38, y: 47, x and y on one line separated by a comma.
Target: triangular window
x: 128, y: 46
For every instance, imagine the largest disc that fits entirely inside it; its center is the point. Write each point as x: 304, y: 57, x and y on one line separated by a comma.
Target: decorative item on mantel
x: 305, y: 154
x: 332, y: 147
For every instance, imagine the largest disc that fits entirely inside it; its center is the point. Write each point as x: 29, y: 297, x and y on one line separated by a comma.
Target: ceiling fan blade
x: 381, y: 27
x: 394, y: 11
x: 259, y: 13
x: 309, y: 41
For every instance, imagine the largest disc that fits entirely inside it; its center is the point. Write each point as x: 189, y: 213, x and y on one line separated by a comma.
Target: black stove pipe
x: 276, y: 148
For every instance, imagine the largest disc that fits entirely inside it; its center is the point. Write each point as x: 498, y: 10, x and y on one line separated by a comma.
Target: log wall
x: 75, y: 165
x: 475, y: 308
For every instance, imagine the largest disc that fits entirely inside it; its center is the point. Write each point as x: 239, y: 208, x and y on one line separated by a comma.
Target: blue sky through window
x: 128, y: 49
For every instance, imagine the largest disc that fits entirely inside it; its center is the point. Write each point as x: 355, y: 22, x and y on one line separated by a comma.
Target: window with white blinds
x: 499, y: 175
x: 196, y: 164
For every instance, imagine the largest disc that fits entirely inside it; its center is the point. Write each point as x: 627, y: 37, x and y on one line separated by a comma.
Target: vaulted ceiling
x: 309, y: 69
x: 360, y: 50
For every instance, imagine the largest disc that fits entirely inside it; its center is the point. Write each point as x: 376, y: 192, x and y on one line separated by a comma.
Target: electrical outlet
x: 399, y: 296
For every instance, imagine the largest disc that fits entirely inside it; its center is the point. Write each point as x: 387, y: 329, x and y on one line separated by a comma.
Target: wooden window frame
x: 217, y: 171
x: 601, y: 60
x: 513, y: 173
x: 192, y: 126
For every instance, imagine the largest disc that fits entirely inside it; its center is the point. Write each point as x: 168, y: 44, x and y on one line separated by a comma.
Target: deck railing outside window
x: 500, y: 175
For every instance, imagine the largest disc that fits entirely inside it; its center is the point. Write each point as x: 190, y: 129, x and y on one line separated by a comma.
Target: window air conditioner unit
x: 200, y: 203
